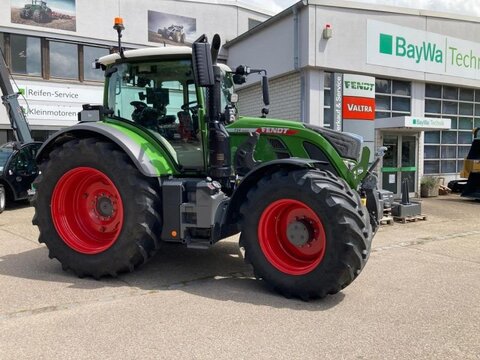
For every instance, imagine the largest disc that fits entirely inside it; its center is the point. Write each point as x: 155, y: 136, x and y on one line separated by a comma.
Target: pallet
x: 406, y: 219
x: 386, y: 220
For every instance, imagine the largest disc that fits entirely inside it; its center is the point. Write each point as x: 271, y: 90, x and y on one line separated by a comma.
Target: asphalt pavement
x: 417, y: 298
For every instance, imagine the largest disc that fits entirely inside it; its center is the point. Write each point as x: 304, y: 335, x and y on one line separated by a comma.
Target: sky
x: 465, y: 7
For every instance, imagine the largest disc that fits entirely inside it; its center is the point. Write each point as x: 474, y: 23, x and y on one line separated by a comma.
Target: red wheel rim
x: 292, y: 236
x: 87, y: 210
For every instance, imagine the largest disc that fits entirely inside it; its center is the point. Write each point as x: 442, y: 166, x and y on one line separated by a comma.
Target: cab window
x: 161, y: 97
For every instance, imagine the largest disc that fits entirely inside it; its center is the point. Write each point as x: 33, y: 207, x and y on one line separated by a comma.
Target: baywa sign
x: 406, y: 48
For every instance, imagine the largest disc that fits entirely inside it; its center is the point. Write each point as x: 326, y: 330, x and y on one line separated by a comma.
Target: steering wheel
x: 138, y: 105
x: 190, y: 106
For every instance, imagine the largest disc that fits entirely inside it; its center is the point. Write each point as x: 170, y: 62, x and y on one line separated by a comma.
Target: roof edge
x: 345, y: 4
x: 267, y: 23
x: 393, y: 9
x: 234, y: 3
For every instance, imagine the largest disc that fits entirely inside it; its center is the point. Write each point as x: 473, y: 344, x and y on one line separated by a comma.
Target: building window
x: 252, y: 23
x: 446, y: 149
x: 63, y: 60
x: 392, y: 98
x: 26, y: 55
x: 90, y: 54
x: 42, y: 135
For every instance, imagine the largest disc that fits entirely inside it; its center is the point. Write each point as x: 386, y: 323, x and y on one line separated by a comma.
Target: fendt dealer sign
x: 406, y: 48
x: 358, y: 97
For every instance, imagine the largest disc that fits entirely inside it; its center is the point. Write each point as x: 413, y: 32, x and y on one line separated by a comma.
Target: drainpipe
x: 296, y: 42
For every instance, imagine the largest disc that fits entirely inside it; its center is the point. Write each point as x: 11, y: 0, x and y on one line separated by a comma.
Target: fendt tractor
x: 174, y: 32
x: 166, y: 159
x: 38, y: 11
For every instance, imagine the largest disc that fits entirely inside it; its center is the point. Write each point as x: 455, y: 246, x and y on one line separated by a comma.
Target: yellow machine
x: 471, y: 171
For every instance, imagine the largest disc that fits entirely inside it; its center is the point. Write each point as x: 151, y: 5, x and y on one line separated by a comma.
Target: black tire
x: 37, y: 16
x: 347, y: 232
x: 3, y: 199
x: 138, y: 236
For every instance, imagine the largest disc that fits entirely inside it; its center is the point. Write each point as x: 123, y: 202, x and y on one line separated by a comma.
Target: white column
x: 314, y: 99
x: 418, y: 109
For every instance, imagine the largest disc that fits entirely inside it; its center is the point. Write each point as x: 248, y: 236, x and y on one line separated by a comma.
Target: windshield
x: 161, y: 97
x: 4, y: 156
x: 164, y: 87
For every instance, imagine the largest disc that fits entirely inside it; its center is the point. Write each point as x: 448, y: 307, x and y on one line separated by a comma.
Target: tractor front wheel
x: 97, y: 214
x: 305, y: 233
x: 37, y: 16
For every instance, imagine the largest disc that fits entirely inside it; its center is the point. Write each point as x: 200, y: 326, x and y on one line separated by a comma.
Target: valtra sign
x: 358, y: 97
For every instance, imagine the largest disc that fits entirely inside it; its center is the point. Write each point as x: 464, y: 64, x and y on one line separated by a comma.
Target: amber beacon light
x: 118, y: 23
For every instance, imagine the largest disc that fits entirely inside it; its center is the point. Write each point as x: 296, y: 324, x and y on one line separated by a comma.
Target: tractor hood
x: 348, y: 145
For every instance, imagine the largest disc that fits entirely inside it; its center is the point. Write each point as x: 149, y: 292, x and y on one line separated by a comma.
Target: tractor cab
x: 157, y: 91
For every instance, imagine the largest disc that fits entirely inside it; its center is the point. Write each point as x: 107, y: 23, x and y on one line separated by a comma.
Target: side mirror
x: 202, y: 63
x: 239, y: 79
x: 265, y: 93
x: 91, y: 113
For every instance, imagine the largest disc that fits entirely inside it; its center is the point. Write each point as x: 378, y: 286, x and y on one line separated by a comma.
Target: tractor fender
x: 148, y: 165
x: 252, y: 178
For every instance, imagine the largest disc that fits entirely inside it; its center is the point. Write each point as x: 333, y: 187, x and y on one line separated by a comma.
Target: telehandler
x: 470, y: 187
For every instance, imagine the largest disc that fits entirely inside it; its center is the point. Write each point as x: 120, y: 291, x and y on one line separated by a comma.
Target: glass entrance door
x: 399, y: 162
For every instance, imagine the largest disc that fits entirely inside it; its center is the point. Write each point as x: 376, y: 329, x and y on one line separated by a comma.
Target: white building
x: 321, y: 57
x: 50, y: 55
x: 425, y: 65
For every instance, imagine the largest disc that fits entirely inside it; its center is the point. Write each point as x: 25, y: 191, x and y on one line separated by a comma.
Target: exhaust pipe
x: 215, y: 47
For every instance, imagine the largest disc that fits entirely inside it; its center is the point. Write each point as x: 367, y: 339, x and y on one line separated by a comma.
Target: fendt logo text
x: 359, y: 85
x: 399, y: 46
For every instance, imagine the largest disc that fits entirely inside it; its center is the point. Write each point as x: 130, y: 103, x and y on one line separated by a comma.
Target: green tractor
x: 38, y: 11
x: 166, y: 159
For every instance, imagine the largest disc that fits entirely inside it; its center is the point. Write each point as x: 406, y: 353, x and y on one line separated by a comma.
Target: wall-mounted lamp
x: 327, y: 31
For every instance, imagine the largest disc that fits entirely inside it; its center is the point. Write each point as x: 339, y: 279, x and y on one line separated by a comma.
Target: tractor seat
x: 185, y: 127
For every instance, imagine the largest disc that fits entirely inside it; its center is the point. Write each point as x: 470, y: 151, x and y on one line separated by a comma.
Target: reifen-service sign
x: 55, y: 104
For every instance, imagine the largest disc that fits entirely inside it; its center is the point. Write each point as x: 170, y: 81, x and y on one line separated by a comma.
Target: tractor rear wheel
x: 305, y: 232
x: 97, y: 214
